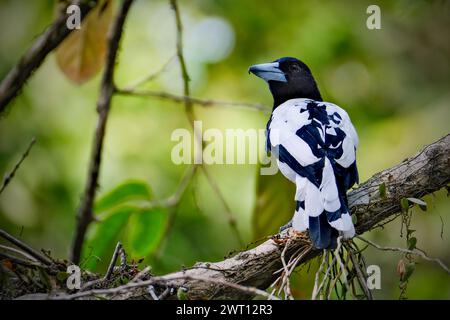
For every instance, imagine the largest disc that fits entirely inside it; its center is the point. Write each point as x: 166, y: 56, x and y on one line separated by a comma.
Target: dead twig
x: 162, y: 95
x: 406, y: 251
x: 85, y: 215
x: 7, y: 179
x: 35, y: 254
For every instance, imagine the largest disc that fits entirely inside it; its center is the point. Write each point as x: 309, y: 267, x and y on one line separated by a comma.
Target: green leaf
x: 382, y: 189
x: 275, y: 204
x: 130, y: 190
x: 103, y: 236
x: 410, y: 267
x: 145, y: 231
x: 412, y: 243
x: 422, y: 204
x: 404, y: 204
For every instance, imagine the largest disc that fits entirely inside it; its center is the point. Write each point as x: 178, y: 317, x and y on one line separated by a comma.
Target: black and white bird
x: 315, y: 146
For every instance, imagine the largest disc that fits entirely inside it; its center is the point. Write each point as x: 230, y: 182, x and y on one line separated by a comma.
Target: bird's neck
x: 280, y: 99
x: 282, y: 92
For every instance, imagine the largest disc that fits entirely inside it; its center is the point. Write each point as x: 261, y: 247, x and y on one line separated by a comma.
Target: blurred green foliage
x: 393, y: 82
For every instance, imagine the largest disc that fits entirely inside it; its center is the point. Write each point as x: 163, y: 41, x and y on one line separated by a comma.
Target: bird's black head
x: 288, y: 78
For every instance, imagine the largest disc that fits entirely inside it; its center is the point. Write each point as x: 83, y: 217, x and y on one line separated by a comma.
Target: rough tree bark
x: 426, y: 172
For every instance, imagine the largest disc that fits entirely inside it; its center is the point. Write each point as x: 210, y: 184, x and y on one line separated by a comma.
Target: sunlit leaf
x: 127, y: 191
x: 145, y: 230
x: 81, y: 55
x: 275, y: 204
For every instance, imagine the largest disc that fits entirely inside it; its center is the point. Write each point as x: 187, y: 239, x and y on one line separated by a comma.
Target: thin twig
x: 35, y: 254
x: 161, y: 280
x: 362, y: 279
x: 172, y: 203
x: 7, y: 179
x: 22, y: 253
x: 113, y: 261
x: 150, y: 77
x: 20, y: 261
x: 38, y: 51
x: 195, y: 101
x: 85, y: 215
x: 231, y: 219
x: 327, y: 273
x: 317, y: 277
x: 141, y: 274
x: 402, y: 250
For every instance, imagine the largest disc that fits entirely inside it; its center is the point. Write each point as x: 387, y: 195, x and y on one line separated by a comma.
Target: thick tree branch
x: 424, y: 173
x: 85, y: 215
x: 35, y: 55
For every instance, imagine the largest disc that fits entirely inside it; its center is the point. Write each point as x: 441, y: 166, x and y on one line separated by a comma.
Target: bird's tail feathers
x: 322, y: 210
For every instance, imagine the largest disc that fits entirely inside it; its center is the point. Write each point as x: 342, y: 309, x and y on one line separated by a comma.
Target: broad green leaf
x: 130, y: 190
x: 81, y: 55
x: 145, y: 230
x: 103, y: 236
x: 275, y: 204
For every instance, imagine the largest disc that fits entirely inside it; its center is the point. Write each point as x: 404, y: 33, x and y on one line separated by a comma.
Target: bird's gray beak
x: 268, y: 72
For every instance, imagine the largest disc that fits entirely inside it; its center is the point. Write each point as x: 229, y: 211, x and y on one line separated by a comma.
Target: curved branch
x: 424, y: 173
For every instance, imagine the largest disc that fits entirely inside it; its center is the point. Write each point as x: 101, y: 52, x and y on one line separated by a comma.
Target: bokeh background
x: 393, y: 82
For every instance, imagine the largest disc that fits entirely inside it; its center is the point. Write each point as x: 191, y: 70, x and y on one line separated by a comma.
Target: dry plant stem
x: 362, y: 279
x: 162, y: 95
x: 317, y: 276
x: 7, y: 179
x: 231, y: 219
x: 20, y: 261
x: 163, y: 280
x: 26, y: 248
x: 113, y: 261
x: 191, y: 116
x: 37, y: 52
x: 22, y: 253
x: 172, y: 204
x: 406, y: 251
x: 150, y: 77
x: 85, y: 214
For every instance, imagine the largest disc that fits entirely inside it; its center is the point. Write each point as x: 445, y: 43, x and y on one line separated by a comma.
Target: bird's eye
x: 295, y: 68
